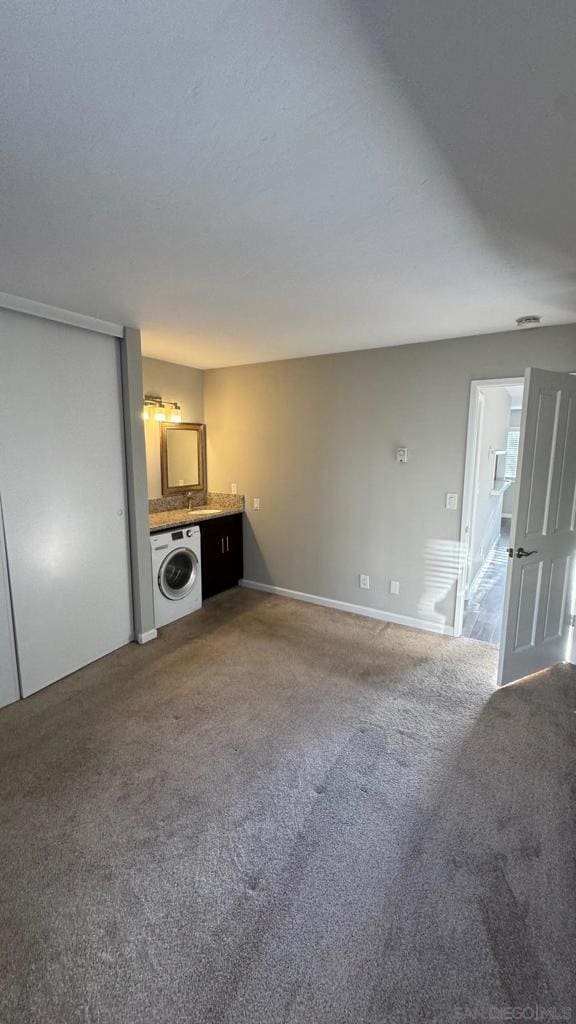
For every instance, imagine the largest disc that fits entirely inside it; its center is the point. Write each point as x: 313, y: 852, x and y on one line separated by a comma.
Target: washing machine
x: 176, y: 573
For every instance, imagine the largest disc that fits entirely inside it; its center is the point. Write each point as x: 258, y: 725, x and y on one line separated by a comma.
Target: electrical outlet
x: 256, y: 504
x: 394, y: 586
x: 234, y: 488
x: 364, y: 581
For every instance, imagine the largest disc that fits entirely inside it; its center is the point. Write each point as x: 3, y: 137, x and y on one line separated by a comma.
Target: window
x: 512, y: 454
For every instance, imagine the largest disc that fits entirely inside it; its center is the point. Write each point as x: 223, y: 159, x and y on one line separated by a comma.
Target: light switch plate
x: 451, y: 501
x: 256, y: 504
x: 394, y: 586
x: 364, y: 581
x: 234, y: 488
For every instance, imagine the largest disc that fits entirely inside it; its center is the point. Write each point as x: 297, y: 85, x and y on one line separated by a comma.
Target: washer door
x: 177, y: 574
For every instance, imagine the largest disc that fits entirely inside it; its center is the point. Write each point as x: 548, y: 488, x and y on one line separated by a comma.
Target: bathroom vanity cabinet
x: 222, y: 553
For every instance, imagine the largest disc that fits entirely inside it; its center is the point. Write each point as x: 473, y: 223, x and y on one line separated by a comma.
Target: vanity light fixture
x: 155, y: 408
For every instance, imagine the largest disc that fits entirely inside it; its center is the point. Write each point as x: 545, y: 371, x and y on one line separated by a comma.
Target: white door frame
x: 478, y: 414
x: 468, y: 490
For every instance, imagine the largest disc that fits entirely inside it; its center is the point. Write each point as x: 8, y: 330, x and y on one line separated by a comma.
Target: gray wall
x: 137, y: 486
x: 182, y: 384
x: 315, y: 439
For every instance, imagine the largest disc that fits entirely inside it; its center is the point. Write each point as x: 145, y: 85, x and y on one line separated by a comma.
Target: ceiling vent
x: 529, y: 321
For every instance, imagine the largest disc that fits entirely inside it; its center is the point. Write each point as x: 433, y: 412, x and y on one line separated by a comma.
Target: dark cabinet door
x: 212, y: 549
x: 222, y: 556
x: 234, y: 549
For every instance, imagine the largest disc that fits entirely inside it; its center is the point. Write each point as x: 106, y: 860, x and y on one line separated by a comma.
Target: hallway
x: 484, y: 607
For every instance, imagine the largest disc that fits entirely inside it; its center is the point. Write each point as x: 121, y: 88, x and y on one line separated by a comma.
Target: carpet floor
x: 283, y: 814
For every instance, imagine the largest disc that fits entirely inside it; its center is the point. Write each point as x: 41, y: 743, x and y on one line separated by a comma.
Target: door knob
x: 520, y: 553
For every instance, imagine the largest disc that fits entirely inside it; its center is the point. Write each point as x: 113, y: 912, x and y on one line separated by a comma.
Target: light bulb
x: 160, y: 413
x: 176, y: 414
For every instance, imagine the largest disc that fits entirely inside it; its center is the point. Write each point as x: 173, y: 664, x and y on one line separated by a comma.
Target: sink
x: 204, y: 511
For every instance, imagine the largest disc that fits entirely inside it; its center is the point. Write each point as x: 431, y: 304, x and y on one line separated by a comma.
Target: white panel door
x: 539, y: 584
x: 63, y: 489
x: 9, y: 690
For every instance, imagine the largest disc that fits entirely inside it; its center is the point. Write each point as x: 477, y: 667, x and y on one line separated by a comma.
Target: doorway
x: 488, y: 506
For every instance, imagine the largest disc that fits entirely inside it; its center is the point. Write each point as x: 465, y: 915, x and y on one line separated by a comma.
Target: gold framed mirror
x: 183, y: 457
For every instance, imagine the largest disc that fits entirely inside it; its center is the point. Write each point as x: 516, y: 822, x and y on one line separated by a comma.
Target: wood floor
x: 483, y: 612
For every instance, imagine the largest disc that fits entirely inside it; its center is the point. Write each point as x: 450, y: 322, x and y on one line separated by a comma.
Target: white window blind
x: 512, y: 454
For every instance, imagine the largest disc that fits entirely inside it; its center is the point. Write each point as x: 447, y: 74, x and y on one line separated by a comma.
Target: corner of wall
x: 137, y: 483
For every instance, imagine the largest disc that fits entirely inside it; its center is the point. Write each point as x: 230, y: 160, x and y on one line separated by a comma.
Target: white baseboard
x: 144, y: 638
x: 354, y: 609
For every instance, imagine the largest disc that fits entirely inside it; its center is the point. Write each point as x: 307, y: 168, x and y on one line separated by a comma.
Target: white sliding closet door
x: 9, y: 691
x: 63, y: 492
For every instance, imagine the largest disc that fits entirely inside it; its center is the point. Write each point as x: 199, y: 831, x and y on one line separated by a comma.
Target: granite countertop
x: 184, y: 517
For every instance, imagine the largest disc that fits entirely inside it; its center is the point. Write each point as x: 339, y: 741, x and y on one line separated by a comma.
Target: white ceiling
x: 253, y: 180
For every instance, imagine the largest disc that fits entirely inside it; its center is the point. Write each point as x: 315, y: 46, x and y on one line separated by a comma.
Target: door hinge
x: 572, y: 619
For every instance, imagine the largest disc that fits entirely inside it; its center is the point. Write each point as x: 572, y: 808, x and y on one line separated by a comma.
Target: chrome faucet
x: 190, y: 495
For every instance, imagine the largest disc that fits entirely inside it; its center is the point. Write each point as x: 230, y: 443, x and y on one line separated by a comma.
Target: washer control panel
x: 179, y: 534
